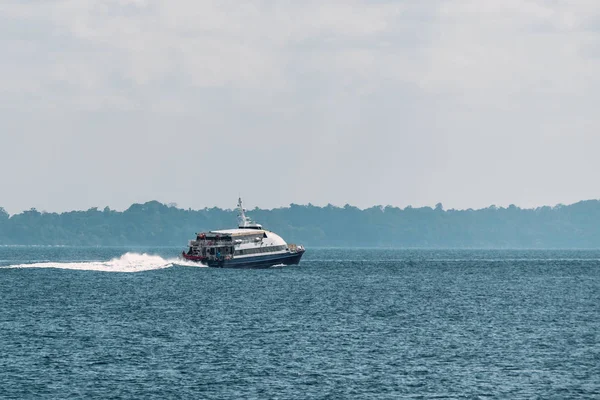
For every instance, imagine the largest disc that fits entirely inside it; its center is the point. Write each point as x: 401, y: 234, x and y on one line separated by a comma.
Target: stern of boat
x: 191, y: 257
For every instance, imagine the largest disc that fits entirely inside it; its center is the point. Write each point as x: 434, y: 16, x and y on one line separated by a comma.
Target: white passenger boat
x: 248, y: 246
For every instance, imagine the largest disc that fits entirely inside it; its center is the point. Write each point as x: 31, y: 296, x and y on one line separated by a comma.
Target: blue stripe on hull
x: 259, y: 261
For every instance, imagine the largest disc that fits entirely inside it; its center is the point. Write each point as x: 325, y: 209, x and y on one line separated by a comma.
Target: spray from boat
x: 128, y: 262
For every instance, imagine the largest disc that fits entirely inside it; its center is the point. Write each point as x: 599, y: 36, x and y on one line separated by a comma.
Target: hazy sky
x: 468, y: 103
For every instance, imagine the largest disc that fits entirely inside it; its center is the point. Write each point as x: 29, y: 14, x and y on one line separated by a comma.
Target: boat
x: 248, y: 246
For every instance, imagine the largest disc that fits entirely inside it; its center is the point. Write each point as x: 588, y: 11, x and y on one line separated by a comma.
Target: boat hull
x: 264, y: 261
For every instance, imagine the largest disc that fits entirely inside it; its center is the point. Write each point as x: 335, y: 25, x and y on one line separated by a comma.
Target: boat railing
x: 209, y: 242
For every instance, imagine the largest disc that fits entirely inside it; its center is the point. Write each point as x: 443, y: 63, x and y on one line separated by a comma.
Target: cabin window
x: 257, y: 250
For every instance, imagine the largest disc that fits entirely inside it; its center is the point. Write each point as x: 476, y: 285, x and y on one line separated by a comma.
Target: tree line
x: 157, y: 224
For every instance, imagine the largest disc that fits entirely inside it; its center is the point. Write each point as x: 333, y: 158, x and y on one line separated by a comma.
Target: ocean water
x: 115, y: 323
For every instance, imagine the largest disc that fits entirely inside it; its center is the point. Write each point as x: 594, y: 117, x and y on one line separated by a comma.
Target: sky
x: 465, y: 102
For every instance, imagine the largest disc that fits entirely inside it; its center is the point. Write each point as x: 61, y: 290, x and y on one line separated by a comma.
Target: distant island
x: 156, y: 224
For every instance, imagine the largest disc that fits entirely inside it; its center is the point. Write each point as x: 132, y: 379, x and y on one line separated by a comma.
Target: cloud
x: 99, y: 46
x: 422, y: 92
x: 114, y: 49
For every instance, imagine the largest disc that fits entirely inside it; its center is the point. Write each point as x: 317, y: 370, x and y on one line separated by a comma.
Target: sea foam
x: 128, y: 262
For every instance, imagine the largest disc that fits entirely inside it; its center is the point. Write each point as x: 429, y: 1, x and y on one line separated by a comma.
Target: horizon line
x: 329, y: 205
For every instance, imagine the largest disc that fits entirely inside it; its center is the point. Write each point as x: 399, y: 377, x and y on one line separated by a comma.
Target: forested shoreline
x: 157, y: 224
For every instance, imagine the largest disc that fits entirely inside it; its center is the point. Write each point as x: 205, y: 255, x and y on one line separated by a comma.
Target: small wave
x: 33, y: 245
x: 128, y: 262
x: 452, y: 260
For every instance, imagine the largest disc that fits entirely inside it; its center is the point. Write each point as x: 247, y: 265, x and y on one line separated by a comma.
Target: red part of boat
x: 192, y: 258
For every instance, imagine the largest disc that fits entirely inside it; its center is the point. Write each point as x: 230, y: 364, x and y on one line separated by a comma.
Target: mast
x: 245, y: 221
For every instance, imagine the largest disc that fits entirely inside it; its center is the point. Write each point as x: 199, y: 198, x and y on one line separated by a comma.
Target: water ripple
x: 369, y: 325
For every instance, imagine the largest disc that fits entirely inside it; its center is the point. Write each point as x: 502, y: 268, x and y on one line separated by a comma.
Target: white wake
x: 128, y: 262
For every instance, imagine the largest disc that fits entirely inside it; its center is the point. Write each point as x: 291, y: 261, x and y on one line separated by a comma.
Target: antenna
x: 244, y: 221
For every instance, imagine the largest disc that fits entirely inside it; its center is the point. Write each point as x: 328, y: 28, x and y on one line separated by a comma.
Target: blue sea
x: 137, y: 323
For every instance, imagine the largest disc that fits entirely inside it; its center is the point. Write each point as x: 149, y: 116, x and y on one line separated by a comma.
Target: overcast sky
x: 468, y: 103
